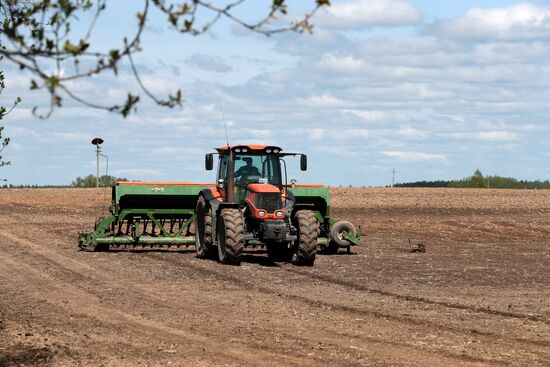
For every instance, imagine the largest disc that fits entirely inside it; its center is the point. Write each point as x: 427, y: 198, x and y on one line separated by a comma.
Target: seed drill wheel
x: 230, y: 236
x: 305, y: 247
x: 203, y: 232
x: 337, y: 235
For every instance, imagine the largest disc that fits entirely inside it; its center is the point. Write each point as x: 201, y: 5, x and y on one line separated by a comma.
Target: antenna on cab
x: 225, y: 126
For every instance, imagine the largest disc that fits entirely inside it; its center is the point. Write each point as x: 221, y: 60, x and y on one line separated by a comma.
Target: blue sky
x: 432, y: 89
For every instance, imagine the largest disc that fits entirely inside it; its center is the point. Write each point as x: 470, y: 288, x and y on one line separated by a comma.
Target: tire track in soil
x: 405, y: 297
x: 398, y: 347
x: 459, y: 225
x: 358, y: 287
x: 372, y: 313
x: 408, y: 298
x: 87, y: 303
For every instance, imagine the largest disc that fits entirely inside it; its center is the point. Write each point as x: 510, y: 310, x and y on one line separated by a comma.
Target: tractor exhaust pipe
x: 230, y: 194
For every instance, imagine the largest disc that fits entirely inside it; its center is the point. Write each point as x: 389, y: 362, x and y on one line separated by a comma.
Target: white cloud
x: 488, y: 136
x: 311, y: 44
x: 341, y: 64
x: 371, y: 116
x: 314, y: 134
x: 350, y: 134
x: 257, y: 133
x: 322, y: 101
x: 71, y: 137
x: 411, y: 133
x: 174, y: 150
x: 137, y: 171
x: 414, y: 156
x: 208, y: 63
x: 516, y: 22
x: 368, y: 13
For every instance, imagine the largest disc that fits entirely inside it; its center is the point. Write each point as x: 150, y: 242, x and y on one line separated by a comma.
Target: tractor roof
x: 250, y: 147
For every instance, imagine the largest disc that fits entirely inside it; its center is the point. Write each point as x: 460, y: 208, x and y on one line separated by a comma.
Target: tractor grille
x: 269, y: 201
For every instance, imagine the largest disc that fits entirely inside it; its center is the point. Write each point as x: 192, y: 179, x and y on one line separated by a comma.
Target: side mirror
x: 303, y: 162
x: 209, y: 162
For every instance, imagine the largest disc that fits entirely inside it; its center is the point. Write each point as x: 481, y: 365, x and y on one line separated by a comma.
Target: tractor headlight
x: 275, y: 150
x: 261, y: 213
x: 279, y: 214
x: 268, y: 151
x: 238, y: 150
x: 245, y: 150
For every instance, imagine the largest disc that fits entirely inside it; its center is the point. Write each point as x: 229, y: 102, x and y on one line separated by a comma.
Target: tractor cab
x: 254, y: 168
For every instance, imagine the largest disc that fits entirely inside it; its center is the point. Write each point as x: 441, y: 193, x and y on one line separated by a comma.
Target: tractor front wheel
x: 305, y: 247
x: 230, y: 236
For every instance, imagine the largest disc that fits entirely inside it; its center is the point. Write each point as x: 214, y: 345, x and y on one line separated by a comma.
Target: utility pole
x: 392, y: 177
x: 97, y: 142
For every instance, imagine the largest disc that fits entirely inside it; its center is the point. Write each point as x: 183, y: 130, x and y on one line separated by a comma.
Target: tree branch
x: 35, y: 34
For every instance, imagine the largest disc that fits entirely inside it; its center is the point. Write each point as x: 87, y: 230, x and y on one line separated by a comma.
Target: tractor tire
x: 336, y: 234
x: 203, y: 230
x: 278, y: 251
x: 230, y: 236
x: 305, y: 247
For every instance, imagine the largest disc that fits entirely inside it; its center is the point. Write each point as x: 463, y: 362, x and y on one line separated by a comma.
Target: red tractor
x: 252, y: 204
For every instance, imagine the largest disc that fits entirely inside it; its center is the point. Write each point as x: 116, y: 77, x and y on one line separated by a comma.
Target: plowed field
x: 479, y: 295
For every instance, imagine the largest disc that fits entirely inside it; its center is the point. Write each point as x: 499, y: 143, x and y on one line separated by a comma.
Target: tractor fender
x: 289, y: 202
x: 297, y: 207
x: 291, y: 207
x: 213, y: 199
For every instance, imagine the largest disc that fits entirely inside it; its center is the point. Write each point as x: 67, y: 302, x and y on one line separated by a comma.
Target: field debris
x: 415, y: 247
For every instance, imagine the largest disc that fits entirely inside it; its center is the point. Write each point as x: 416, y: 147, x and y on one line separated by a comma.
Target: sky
x: 432, y: 89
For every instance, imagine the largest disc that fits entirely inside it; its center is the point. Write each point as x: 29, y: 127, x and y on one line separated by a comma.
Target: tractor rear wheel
x: 305, y: 247
x: 203, y: 235
x: 230, y: 236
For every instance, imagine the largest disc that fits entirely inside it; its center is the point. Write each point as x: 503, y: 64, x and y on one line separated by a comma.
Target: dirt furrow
x: 374, y: 315
x: 54, y: 291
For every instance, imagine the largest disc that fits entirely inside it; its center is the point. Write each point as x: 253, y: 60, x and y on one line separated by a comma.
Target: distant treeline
x: 423, y: 184
x: 478, y: 180
x: 88, y: 181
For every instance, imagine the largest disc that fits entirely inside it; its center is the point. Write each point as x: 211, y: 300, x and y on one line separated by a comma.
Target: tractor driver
x: 245, y: 171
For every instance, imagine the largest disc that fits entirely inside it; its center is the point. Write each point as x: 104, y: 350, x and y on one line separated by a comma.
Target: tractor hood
x: 255, y: 187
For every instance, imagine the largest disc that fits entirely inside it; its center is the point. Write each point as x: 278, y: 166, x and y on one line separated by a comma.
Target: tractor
x: 251, y: 204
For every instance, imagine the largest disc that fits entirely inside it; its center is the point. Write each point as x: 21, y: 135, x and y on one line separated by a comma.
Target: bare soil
x: 479, y: 295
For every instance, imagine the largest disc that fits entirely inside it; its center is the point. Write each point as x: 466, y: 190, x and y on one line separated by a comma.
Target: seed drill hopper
x: 251, y: 204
